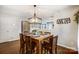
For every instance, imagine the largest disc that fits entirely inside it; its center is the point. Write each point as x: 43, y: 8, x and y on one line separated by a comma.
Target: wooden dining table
x: 38, y: 39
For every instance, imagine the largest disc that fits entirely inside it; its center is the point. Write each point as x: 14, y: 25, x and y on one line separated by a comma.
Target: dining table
x: 38, y: 39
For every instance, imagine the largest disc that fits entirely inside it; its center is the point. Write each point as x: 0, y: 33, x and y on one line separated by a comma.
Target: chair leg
x: 50, y: 51
x: 56, y: 50
x: 42, y: 50
x: 22, y: 50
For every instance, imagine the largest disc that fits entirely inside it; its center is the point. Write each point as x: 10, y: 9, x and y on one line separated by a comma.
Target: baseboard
x: 68, y: 47
x: 9, y: 40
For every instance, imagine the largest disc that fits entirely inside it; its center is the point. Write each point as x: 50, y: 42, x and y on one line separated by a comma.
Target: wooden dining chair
x: 51, y: 46
x: 55, y: 39
x: 30, y: 45
x: 22, y: 43
x: 44, y: 45
x: 34, y: 46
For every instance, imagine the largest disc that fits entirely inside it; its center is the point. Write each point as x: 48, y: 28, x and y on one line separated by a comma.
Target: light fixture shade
x: 35, y: 19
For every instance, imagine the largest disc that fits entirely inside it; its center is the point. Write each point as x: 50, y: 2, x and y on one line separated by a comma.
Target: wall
x: 67, y: 33
x: 10, y: 25
x: 78, y: 38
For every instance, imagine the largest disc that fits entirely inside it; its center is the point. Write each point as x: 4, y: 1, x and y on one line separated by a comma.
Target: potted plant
x: 34, y: 31
x: 77, y: 17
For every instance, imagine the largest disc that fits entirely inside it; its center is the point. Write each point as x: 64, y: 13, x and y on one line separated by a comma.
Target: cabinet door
x: 25, y: 26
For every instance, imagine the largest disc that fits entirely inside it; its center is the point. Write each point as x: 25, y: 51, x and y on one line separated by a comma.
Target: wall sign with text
x: 63, y: 21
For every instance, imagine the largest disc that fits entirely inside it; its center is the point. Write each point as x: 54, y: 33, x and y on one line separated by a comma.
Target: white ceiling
x: 42, y: 11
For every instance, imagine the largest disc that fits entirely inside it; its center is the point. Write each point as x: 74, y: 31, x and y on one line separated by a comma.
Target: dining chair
x: 22, y: 44
x: 44, y: 45
x: 30, y: 45
x: 34, y: 46
x: 55, y: 40
x: 51, y: 46
x: 47, y: 33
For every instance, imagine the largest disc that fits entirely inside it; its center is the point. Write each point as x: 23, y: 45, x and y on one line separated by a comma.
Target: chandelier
x: 35, y: 19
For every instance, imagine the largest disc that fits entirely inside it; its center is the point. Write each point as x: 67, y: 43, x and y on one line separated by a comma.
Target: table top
x: 37, y: 37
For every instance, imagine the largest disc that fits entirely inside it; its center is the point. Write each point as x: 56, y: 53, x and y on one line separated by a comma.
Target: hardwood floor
x: 13, y: 48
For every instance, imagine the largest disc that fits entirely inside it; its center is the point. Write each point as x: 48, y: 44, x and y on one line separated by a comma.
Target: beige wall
x: 10, y: 25
x: 78, y: 37
x: 67, y: 33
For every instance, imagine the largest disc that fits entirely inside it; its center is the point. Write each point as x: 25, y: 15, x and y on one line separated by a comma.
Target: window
x: 50, y: 25
x: 43, y: 26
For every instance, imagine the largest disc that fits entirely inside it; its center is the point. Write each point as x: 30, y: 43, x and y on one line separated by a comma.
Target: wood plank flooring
x: 13, y: 48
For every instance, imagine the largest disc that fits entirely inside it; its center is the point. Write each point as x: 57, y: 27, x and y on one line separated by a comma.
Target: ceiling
x: 42, y: 11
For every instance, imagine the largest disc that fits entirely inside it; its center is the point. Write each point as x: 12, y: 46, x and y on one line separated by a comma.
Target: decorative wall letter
x: 63, y: 21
